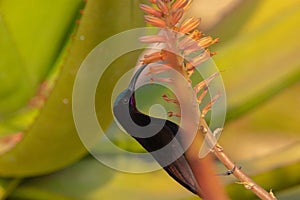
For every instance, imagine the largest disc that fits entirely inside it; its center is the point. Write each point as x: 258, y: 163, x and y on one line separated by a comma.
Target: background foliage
x: 45, y: 42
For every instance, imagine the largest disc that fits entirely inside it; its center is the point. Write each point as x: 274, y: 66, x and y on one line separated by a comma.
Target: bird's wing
x: 172, y: 159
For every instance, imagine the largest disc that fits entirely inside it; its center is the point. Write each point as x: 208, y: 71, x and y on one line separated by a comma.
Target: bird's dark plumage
x: 138, y: 125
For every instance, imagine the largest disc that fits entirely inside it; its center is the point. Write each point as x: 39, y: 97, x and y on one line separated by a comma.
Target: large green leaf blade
x: 37, y: 31
x: 52, y: 141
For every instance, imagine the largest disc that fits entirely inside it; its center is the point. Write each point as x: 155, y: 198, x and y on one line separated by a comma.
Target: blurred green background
x: 42, y: 45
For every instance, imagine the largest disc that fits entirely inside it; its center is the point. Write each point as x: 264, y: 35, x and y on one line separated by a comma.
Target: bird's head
x: 125, y: 96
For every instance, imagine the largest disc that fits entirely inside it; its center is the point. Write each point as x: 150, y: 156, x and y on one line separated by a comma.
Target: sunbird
x: 141, y: 127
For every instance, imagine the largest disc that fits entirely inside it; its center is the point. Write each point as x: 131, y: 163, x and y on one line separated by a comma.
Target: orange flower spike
x: 189, y: 25
x: 209, y: 105
x: 150, y: 10
x: 152, y: 39
x: 162, y: 6
x: 155, y: 21
x: 180, y: 4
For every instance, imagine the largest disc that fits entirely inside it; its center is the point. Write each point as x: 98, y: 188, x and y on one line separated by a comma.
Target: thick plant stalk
x: 237, y: 172
x: 166, y: 14
x: 203, y: 169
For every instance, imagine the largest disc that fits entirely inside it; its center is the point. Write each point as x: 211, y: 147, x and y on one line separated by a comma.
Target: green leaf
x: 89, y: 179
x: 255, y: 62
x: 7, y: 186
x: 52, y: 141
x: 233, y: 22
x: 290, y: 194
x: 32, y: 34
x: 260, y: 61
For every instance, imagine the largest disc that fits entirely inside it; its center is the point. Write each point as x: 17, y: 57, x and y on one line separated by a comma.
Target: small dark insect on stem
x: 230, y: 171
x: 237, y: 172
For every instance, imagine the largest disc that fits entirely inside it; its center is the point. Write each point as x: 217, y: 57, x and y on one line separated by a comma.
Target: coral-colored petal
x: 150, y: 10
x: 177, y: 15
x: 180, y: 4
x: 155, y: 21
x: 162, y: 6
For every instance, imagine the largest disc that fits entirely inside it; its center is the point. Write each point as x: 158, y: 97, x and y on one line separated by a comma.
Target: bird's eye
x: 125, y: 100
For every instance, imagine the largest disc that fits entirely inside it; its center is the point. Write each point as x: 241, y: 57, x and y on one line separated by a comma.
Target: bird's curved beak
x: 135, y: 77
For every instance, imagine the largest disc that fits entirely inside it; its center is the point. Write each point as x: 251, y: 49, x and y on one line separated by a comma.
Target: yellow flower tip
x: 206, y: 42
x: 187, y: 6
x: 155, y: 21
x: 180, y: 4
x: 272, y: 194
x: 195, y: 35
x: 189, y: 67
x: 150, y: 10
x: 189, y: 25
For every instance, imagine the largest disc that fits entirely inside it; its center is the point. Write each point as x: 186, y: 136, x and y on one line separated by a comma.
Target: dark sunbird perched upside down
x: 139, y: 126
x: 179, y: 45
